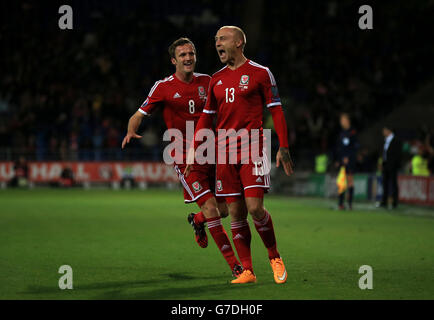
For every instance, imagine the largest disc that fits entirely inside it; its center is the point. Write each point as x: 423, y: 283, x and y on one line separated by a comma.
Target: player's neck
x: 184, y: 77
x: 237, y: 62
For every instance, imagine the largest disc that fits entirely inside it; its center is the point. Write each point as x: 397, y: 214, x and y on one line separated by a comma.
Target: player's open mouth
x: 221, y: 53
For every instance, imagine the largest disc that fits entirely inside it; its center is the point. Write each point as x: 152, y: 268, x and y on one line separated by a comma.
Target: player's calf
x: 265, y: 229
x: 222, y: 241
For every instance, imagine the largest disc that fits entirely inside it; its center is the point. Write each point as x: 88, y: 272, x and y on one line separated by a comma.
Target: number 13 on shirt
x: 230, y: 94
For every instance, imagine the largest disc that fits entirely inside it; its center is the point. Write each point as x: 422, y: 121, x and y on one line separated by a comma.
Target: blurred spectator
x: 429, y: 143
x: 21, y: 175
x: 128, y: 181
x: 150, y: 141
x: 419, y: 163
x: 322, y: 159
x: 66, y: 178
x: 364, y: 162
x: 392, y: 150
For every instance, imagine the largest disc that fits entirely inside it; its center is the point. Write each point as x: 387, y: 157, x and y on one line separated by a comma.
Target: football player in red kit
x: 182, y: 97
x: 236, y: 95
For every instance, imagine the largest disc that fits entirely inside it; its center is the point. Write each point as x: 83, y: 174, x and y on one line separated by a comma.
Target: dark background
x: 68, y: 94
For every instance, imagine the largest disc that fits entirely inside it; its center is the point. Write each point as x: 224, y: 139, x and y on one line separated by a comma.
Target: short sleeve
x: 269, y: 90
x: 154, y: 99
x: 211, y: 102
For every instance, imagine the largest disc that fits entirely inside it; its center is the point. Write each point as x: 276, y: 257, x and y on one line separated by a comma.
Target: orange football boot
x: 279, y: 270
x: 246, y: 277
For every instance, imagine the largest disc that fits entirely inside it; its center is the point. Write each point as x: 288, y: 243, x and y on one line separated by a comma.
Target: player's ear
x: 173, y: 60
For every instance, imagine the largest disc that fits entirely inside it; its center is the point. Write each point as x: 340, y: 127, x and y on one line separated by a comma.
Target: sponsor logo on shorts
x: 219, y: 185
x: 196, y: 186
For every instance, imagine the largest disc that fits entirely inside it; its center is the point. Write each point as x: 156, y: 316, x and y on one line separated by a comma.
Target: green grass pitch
x: 138, y: 245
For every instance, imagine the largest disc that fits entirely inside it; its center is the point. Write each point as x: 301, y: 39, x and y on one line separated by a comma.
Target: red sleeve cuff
x: 280, y: 125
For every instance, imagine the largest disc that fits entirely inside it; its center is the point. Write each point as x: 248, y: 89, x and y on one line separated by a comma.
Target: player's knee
x: 236, y: 215
x: 256, y: 210
x: 213, y: 212
x: 210, y: 211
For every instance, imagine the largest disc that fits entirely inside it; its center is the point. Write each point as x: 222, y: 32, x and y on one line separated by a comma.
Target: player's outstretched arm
x: 133, y: 125
x: 284, y: 157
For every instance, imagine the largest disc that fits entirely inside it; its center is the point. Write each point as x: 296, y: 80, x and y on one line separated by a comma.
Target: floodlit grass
x: 138, y: 245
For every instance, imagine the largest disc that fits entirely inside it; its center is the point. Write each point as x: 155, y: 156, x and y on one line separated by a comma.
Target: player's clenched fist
x: 128, y: 137
x: 284, y: 157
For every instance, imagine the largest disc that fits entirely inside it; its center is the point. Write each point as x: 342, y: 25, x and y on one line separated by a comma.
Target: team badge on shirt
x: 202, y: 93
x: 196, y: 186
x: 244, y: 82
x: 219, y: 185
x: 244, y: 79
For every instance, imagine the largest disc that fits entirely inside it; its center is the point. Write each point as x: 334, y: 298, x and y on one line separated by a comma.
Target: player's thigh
x: 252, y: 177
x: 228, y: 182
x: 196, y: 185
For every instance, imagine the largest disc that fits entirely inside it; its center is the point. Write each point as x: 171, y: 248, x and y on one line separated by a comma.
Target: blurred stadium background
x: 65, y: 100
x: 67, y: 95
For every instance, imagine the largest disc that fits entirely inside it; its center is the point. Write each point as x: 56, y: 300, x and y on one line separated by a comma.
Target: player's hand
x: 128, y: 137
x: 187, y: 170
x: 284, y: 157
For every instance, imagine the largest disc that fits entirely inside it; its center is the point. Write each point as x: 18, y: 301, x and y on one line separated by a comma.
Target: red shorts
x: 233, y: 180
x: 199, y: 185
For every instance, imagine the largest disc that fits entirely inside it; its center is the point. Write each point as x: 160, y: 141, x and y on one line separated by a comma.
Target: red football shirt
x: 181, y: 102
x: 238, y: 97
